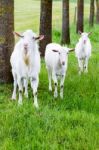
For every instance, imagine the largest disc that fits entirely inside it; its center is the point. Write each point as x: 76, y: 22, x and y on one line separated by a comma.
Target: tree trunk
x: 97, y: 11
x: 45, y: 24
x: 91, y: 17
x: 6, y: 38
x: 65, y: 23
x: 80, y: 15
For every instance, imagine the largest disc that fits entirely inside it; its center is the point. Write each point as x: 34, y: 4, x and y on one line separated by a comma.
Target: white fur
x: 23, y: 71
x: 83, y: 52
x: 54, y: 65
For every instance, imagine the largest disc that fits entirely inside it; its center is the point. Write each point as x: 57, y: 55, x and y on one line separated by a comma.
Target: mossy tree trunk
x: 91, y: 17
x: 65, y: 23
x: 45, y: 24
x: 6, y: 38
x: 97, y: 11
x: 80, y: 15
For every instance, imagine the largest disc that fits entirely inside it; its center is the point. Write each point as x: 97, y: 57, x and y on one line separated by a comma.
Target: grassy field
x: 68, y: 124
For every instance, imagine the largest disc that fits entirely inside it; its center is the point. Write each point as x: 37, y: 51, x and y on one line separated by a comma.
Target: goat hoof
x: 61, y: 95
x: 79, y: 72
x: 19, y: 103
x: 13, y: 98
x: 36, y: 105
x: 55, y: 95
x: 26, y: 95
x: 86, y: 71
x: 50, y: 89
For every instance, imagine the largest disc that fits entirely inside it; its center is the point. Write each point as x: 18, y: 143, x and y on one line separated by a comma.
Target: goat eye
x: 59, y: 53
x: 22, y: 36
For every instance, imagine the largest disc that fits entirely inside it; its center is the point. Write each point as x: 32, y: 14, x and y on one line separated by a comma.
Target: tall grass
x: 68, y: 124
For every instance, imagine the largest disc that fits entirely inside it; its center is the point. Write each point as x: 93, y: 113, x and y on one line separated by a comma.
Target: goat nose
x: 25, y: 45
x: 84, y: 41
x: 63, y: 63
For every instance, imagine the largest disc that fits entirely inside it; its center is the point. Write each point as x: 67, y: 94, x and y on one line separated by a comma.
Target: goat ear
x: 18, y: 34
x: 79, y: 32
x: 40, y: 37
x: 89, y: 33
x: 71, y: 49
x: 63, y: 45
x: 55, y: 51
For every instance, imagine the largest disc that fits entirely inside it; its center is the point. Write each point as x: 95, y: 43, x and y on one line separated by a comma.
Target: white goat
x: 56, y: 59
x: 25, y: 62
x: 83, y: 51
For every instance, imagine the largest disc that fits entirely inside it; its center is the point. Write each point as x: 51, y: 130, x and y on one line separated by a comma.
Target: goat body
x: 83, y: 52
x: 25, y: 62
x: 56, y: 59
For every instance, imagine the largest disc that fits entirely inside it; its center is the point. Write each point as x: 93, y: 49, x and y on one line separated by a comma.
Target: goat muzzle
x: 63, y: 63
x: 84, y: 41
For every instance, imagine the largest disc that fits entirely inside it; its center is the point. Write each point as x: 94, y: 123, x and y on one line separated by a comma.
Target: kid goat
x: 83, y: 51
x: 56, y: 58
x: 25, y: 62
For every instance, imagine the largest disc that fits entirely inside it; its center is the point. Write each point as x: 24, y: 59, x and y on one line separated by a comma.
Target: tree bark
x: 80, y: 15
x: 91, y: 17
x: 97, y: 11
x: 6, y: 38
x: 45, y: 24
x: 65, y: 23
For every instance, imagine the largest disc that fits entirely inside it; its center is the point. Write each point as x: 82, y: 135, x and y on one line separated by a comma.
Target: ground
x: 68, y: 124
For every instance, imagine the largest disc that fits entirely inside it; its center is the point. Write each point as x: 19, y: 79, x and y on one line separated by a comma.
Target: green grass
x: 68, y: 124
